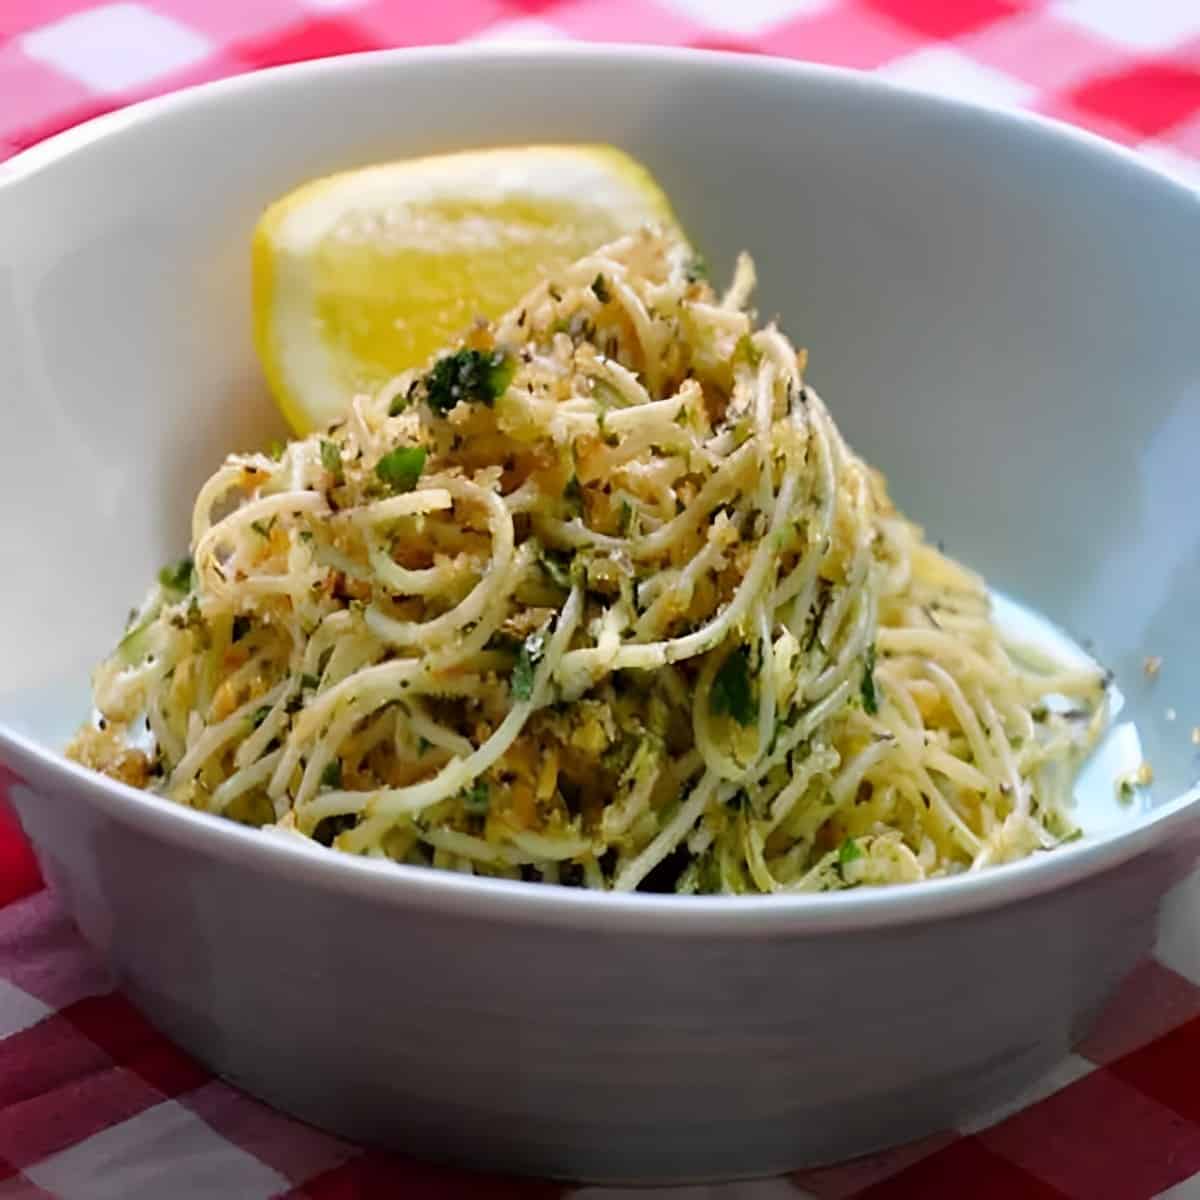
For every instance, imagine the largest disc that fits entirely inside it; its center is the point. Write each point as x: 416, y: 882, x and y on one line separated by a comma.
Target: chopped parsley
x: 697, y: 269
x: 600, y: 290
x: 263, y: 529
x: 331, y: 777
x: 260, y: 715
x: 870, y: 698
x: 475, y: 798
x: 557, y: 566
x: 532, y: 649
x: 732, y: 694
x: 178, y: 577
x: 824, y: 590
x: 400, y: 469
x: 573, y: 496
x: 609, y: 439
x: 194, y: 619
x: 331, y: 460
x: 626, y: 518
x: 401, y: 401
x: 473, y: 376
x: 849, y: 851
x: 746, y: 351
x: 311, y: 682
x: 276, y: 449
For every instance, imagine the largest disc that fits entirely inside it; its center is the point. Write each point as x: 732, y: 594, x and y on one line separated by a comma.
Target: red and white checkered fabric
x: 1128, y: 69
x: 95, y: 1104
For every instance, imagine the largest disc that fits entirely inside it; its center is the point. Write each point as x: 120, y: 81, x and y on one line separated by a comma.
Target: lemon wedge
x: 360, y: 275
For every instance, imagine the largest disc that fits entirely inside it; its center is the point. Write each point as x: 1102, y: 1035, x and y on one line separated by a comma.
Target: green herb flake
x: 276, y: 449
x: 263, y: 529
x: 746, y: 351
x: 471, y: 376
x: 403, y: 399
x: 260, y: 715
x: 423, y: 744
x: 557, y: 566
x: 870, y: 697
x: 607, y: 436
x: 532, y: 649
x: 178, y: 577
x: 849, y: 851
x: 400, y: 469
x: 626, y: 518
x: 573, y: 496
x: 331, y: 777
x: 331, y: 460
x: 310, y: 682
x: 600, y: 289
x: 475, y: 798
x: 697, y: 269
x: 732, y: 694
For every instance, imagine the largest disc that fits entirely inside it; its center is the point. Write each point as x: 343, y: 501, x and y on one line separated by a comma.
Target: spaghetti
x: 600, y: 598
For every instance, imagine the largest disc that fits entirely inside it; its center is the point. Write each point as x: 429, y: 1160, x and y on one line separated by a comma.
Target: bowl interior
x: 1000, y: 316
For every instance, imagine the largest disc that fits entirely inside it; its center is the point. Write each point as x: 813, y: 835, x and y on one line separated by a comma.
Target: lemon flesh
x: 361, y: 275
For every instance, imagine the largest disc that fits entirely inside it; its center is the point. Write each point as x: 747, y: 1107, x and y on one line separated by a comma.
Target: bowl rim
x: 496, y: 899
x: 861, y: 909
x: 45, y: 153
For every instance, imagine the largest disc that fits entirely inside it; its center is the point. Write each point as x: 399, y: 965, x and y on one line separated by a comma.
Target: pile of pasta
x: 600, y: 597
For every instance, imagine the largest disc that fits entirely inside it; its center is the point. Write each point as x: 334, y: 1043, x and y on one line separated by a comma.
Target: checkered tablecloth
x: 1128, y: 69
x: 94, y: 1103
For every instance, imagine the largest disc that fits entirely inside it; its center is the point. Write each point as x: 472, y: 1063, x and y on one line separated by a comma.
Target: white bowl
x: 1002, y: 314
